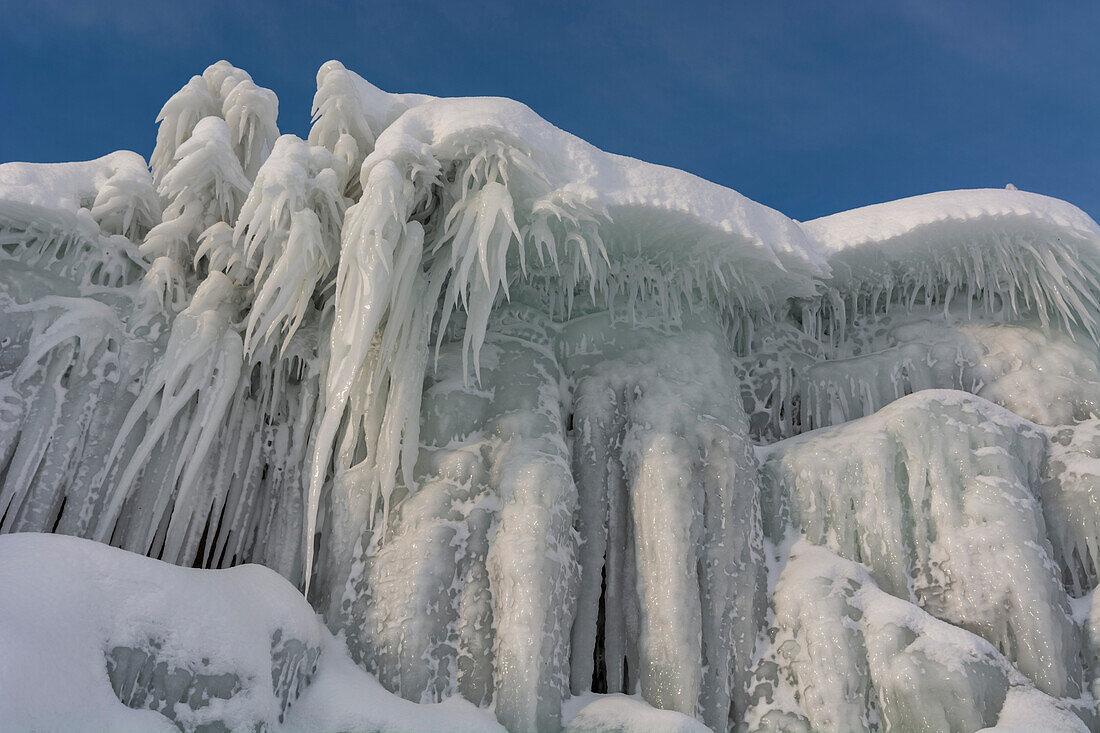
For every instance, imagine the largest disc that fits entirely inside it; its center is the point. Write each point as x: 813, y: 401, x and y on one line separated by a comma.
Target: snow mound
x: 623, y: 714
x: 86, y: 626
x: 95, y: 638
x: 916, y: 217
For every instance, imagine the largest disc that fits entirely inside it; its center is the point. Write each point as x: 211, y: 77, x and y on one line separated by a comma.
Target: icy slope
x: 489, y: 397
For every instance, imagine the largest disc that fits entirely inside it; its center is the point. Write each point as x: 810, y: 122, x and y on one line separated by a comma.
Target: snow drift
x: 528, y: 422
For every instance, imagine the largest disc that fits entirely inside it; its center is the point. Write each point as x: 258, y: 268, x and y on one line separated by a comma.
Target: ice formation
x: 549, y: 438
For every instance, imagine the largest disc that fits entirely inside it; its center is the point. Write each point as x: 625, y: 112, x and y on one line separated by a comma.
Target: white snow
x: 67, y: 604
x: 591, y: 713
x: 914, y: 217
x: 69, y: 186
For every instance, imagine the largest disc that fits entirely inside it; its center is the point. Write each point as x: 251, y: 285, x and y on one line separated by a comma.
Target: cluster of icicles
x: 508, y: 458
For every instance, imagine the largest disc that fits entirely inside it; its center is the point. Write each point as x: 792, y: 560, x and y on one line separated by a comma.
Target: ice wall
x: 856, y: 658
x: 489, y: 397
x: 937, y: 494
x: 468, y: 585
x: 1048, y: 377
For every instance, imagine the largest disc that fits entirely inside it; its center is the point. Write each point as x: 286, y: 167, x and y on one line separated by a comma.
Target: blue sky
x: 810, y: 107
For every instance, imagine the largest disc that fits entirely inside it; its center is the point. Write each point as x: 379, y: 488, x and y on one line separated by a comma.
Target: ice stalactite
x: 429, y: 238
x: 1048, y: 377
x: 187, y: 394
x: 67, y: 385
x: 164, y: 439
x: 669, y: 520
x: 349, y: 113
x: 79, y: 224
x: 1017, y: 258
x: 285, y: 242
x: 222, y: 91
x: 205, y: 186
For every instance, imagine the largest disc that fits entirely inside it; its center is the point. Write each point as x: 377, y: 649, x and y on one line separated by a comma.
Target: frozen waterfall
x: 549, y: 438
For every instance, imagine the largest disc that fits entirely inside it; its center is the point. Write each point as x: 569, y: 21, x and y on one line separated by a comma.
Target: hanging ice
x: 489, y: 396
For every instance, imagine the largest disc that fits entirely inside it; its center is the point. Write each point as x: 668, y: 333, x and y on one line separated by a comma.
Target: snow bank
x: 85, y: 624
x: 87, y: 628
x: 937, y: 494
x: 623, y: 714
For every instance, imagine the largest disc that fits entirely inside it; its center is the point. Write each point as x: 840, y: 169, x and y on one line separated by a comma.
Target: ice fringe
x: 504, y: 385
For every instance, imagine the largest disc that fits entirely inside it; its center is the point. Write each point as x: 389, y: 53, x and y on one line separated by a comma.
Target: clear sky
x: 809, y: 107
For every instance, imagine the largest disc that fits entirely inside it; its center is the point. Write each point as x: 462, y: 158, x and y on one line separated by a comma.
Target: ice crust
x: 857, y: 658
x: 526, y: 422
x: 940, y: 502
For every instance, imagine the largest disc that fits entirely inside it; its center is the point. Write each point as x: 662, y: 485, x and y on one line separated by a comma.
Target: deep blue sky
x: 810, y: 107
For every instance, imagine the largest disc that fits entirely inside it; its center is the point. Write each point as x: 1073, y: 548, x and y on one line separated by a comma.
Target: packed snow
x: 528, y: 436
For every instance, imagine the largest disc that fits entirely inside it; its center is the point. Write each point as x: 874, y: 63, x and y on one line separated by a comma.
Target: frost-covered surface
x: 534, y: 428
x: 1071, y: 501
x: 848, y: 656
x: 934, y: 495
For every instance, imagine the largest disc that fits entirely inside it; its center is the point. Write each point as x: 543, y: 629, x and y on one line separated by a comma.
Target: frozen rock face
x: 528, y: 422
x: 937, y: 495
x: 857, y: 658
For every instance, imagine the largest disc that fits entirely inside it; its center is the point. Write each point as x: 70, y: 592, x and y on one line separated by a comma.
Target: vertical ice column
x: 670, y: 526
x: 469, y: 584
x: 1071, y: 503
x: 666, y: 532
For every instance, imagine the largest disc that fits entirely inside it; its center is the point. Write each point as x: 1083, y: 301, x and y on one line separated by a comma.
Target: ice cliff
x: 543, y: 434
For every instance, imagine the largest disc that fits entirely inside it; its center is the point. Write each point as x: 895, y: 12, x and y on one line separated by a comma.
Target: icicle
x: 203, y: 360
